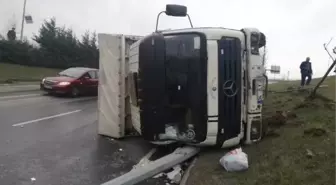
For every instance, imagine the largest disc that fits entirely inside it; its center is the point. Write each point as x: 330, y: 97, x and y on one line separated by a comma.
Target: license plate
x: 47, y: 87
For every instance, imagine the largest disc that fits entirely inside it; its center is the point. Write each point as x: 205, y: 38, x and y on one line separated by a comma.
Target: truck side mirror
x: 176, y: 10
x: 262, y: 40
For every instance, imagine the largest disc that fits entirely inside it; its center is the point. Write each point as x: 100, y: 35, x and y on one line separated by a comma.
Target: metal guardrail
x: 153, y: 168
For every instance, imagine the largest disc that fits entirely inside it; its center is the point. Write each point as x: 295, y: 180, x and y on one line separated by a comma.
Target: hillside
x: 327, y: 88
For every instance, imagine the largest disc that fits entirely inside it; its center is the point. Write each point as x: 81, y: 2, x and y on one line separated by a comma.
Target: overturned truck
x: 199, y: 86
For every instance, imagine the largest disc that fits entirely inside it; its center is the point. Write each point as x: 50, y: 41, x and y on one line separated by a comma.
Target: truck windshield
x: 184, y: 45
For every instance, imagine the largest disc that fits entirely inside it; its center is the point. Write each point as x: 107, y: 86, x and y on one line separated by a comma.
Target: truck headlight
x: 64, y: 83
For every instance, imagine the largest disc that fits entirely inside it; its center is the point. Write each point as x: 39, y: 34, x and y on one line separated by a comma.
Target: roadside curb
x: 18, y: 90
x: 26, y: 91
x: 186, y: 174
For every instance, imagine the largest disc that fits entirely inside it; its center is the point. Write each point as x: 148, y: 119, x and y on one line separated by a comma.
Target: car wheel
x: 74, y: 92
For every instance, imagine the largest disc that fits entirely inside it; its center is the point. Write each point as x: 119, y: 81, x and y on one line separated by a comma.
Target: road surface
x: 48, y: 140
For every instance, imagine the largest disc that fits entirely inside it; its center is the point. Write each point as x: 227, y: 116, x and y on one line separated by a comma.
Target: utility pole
x: 23, y: 18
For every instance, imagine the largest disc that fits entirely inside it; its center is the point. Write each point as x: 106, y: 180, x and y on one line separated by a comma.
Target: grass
x: 13, y: 72
x: 298, y: 148
x: 327, y: 89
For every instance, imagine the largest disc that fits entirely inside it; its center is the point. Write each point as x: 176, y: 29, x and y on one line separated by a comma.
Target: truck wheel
x: 74, y: 92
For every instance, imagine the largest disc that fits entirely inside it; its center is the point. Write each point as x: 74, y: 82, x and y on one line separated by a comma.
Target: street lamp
x: 23, y: 17
x: 27, y: 18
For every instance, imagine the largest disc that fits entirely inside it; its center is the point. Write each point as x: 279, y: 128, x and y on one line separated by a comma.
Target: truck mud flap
x: 229, y: 89
x: 151, y: 86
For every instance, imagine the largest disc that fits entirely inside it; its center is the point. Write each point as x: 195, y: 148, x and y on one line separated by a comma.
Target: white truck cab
x: 199, y: 86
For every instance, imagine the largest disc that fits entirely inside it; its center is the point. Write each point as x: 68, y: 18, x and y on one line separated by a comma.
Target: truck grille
x: 229, y: 80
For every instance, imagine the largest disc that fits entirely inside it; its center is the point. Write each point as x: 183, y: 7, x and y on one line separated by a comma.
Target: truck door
x: 229, y: 88
x: 85, y: 83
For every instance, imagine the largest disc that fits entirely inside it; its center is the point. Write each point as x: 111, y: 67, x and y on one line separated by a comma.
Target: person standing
x: 11, y: 34
x: 306, y: 72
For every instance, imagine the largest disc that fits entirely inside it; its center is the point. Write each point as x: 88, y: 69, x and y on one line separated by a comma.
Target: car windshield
x: 71, y: 72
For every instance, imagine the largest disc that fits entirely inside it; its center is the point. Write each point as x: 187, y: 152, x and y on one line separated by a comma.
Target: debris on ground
x: 271, y: 133
x: 235, y: 160
x: 273, y: 122
x: 290, y: 88
x: 310, y: 154
x: 159, y: 175
x: 315, y: 132
x: 291, y: 115
x: 278, y: 119
x: 307, y: 104
x: 175, y: 175
x: 330, y: 105
x: 33, y: 179
x: 120, y: 149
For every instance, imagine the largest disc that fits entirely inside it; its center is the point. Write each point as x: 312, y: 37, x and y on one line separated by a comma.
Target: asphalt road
x: 48, y: 140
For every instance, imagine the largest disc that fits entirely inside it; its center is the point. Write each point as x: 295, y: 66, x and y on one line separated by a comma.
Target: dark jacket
x: 306, y: 68
x: 11, y: 35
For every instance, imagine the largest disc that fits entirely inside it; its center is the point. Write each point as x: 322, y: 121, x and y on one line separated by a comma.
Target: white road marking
x: 18, y: 96
x: 45, y: 118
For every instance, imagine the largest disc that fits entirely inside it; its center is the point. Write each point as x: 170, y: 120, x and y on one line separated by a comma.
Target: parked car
x: 73, y: 81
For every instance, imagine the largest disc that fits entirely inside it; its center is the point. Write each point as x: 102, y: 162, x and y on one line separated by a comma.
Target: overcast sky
x: 294, y: 28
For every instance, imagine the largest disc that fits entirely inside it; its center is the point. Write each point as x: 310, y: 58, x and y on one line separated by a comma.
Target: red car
x: 74, y: 81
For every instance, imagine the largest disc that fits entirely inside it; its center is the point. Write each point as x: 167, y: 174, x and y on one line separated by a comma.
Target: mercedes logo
x: 230, y: 88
